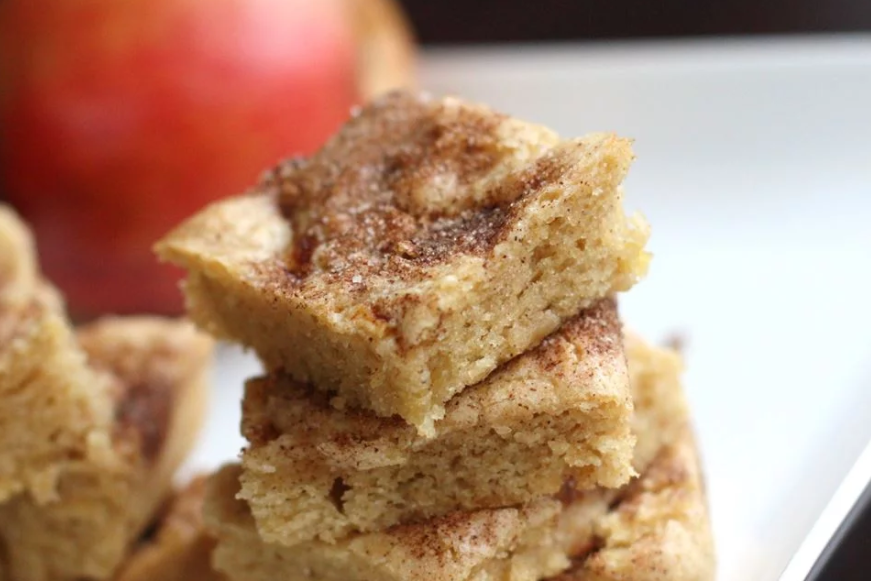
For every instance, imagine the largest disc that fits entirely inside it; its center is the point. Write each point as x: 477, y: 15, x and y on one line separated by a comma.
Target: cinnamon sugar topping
x: 408, y: 182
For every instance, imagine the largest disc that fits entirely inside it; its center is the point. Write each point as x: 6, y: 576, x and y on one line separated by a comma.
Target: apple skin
x: 122, y: 117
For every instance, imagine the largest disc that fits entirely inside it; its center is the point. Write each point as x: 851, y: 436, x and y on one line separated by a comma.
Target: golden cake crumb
x: 533, y: 541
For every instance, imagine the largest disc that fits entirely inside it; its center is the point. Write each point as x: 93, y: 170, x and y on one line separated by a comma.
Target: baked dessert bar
x: 56, y: 410
x: 660, y: 530
x: 180, y: 549
x: 532, y: 542
x: 155, y: 370
x: 562, y: 410
x: 428, y: 242
x: 659, y: 520
x: 655, y: 529
x: 161, y: 369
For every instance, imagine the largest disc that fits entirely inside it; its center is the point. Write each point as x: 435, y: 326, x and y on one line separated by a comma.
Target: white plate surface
x: 754, y: 168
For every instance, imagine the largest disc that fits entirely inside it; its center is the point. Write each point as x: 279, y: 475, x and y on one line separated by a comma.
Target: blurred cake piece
x: 55, y: 410
x: 156, y: 370
x: 161, y: 368
x: 560, y: 411
x: 427, y: 243
x: 179, y: 549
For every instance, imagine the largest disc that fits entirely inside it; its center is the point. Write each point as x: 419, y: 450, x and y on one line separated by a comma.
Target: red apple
x: 121, y: 117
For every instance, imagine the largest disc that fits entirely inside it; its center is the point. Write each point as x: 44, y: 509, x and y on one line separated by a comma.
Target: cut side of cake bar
x: 655, y: 374
x: 561, y: 411
x: 427, y: 243
x: 532, y: 542
x: 655, y: 529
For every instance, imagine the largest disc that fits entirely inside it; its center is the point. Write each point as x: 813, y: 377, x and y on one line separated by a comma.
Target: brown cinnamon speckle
x: 406, y: 183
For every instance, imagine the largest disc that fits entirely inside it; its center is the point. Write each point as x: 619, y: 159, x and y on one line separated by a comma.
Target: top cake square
x: 425, y: 244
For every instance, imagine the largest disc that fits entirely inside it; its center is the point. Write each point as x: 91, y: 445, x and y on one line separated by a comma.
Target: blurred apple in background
x: 122, y: 117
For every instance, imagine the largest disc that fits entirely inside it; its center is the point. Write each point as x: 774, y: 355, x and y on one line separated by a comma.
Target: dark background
x: 480, y: 21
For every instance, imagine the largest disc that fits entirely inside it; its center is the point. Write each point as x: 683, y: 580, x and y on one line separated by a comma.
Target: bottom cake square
x: 655, y: 529
x: 531, y: 542
x: 584, y: 532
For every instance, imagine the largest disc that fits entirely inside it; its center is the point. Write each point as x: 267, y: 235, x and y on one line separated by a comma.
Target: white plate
x: 754, y: 168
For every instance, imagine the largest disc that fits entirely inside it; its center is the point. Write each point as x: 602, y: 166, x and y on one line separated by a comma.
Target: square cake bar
x: 156, y: 370
x: 532, y: 542
x: 654, y: 528
x: 427, y: 243
x: 93, y: 423
x: 55, y: 408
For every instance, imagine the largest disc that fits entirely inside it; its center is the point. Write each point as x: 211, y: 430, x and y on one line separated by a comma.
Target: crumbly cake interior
x: 427, y: 243
x: 559, y: 411
x: 83, y: 534
x: 57, y: 411
x: 531, y: 542
x: 156, y: 375
x: 655, y: 529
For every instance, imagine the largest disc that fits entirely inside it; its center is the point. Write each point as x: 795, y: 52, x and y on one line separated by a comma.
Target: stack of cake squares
x: 449, y: 393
